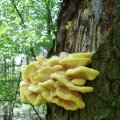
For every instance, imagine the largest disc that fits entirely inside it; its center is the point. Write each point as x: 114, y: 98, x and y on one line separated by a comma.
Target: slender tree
x: 92, y: 25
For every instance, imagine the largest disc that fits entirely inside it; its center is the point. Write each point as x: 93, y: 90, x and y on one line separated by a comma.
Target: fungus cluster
x: 60, y: 80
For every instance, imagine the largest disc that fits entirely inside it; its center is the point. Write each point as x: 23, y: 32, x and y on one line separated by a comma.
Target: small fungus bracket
x: 68, y: 25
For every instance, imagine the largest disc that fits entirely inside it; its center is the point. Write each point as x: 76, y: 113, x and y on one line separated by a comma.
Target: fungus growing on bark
x: 83, y: 72
x: 42, y: 74
x: 34, y: 88
x: 27, y: 96
x: 65, y: 94
x: 66, y: 82
x: 68, y: 25
x: 28, y: 69
x: 58, y: 67
x: 81, y: 55
x: 40, y: 59
x: 75, y: 62
x: 53, y: 61
x: 58, y: 80
x: 78, y: 81
x: 47, y: 84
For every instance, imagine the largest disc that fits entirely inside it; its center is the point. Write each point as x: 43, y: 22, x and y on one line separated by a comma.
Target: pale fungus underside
x: 60, y: 80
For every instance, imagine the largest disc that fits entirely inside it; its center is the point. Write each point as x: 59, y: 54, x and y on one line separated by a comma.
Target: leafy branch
x: 20, y: 15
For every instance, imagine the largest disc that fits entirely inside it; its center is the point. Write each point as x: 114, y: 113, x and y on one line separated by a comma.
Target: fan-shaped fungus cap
x: 35, y: 99
x: 23, y: 98
x: 28, y: 96
x: 47, y: 84
x: 23, y: 88
x: 24, y: 91
x: 83, y: 72
x: 74, y: 62
x: 46, y: 69
x: 28, y: 69
x: 58, y: 67
x: 40, y: 59
x: 34, y: 88
x: 66, y: 94
x: 67, y: 83
x: 32, y: 97
x: 53, y: 61
x: 41, y: 75
x: 39, y: 100
x: 81, y: 55
x: 47, y: 96
x: 68, y: 25
x: 68, y: 105
x: 78, y: 81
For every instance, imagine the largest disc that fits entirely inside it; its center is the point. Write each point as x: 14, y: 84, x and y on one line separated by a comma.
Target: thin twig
x: 36, y: 112
x: 22, y: 20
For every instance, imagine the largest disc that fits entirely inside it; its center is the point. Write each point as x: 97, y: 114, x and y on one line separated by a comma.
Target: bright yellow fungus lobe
x: 41, y: 59
x: 75, y: 62
x: 68, y: 25
x: 77, y: 81
x: 60, y: 80
x: 65, y: 94
x: 58, y: 67
x: 28, y: 69
x: 42, y: 74
x: 83, y: 72
x: 47, y: 84
x: 34, y: 88
x: 53, y: 61
x: 81, y: 55
x: 30, y: 97
x: 67, y: 83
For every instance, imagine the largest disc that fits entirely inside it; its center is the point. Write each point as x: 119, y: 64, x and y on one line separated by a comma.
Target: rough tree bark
x: 95, y: 27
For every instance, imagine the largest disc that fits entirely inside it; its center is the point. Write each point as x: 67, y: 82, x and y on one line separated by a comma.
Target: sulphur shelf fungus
x: 60, y: 80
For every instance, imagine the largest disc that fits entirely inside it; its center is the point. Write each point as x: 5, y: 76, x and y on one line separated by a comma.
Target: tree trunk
x: 95, y: 27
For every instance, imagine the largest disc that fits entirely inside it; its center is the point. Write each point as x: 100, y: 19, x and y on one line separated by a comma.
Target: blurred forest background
x: 27, y: 29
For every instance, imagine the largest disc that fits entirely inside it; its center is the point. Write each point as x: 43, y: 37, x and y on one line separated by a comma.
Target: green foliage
x: 24, y: 25
x: 7, y: 92
x: 27, y: 29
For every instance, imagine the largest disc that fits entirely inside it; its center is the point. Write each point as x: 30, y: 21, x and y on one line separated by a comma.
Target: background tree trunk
x: 94, y: 27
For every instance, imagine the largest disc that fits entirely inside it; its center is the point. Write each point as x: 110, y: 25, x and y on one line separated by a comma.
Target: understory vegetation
x: 27, y: 29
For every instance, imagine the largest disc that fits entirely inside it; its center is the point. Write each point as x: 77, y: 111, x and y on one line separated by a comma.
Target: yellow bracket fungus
x: 68, y: 25
x: 75, y: 62
x: 42, y: 74
x: 65, y: 94
x: 81, y: 55
x: 47, y: 84
x: 27, y: 96
x: 83, y: 72
x: 67, y: 83
x: 58, y: 67
x: 28, y: 69
x: 60, y: 80
x: 41, y: 59
x: 34, y: 88
x: 78, y: 81
x: 54, y: 60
